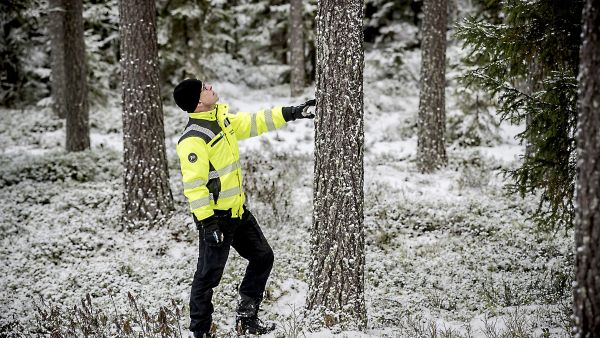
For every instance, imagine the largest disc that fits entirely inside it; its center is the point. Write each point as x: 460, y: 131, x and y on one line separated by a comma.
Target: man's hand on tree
x: 305, y: 110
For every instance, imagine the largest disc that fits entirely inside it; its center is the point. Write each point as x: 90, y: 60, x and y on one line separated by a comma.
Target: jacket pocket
x: 217, y: 139
x: 214, y: 183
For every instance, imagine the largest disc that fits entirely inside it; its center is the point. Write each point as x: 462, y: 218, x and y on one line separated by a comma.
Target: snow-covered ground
x: 446, y: 253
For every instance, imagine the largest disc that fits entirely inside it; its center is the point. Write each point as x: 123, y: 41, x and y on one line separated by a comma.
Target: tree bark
x: 534, y: 83
x: 431, y: 148
x: 296, y: 47
x: 453, y: 10
x: 76, y: 95
x: 336, y: 290
x: 146, y: 196
x: 56, y: 17
x: 587, y: 224
x: 69, y: 71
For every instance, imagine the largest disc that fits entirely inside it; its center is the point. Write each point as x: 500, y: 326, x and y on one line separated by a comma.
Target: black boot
x: 253, y: 325
x: 247, y: 321
x: 211, y: 333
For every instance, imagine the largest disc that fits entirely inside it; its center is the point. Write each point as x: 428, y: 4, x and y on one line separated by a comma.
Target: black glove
x: 212, y: 231
x: 303, y: 111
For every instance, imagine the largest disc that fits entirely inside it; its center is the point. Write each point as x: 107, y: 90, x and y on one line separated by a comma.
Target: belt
x: 222, y: 213
x: 227, y: 213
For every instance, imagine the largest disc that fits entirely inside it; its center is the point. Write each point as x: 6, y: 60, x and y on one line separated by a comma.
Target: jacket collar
x: 210, y: 115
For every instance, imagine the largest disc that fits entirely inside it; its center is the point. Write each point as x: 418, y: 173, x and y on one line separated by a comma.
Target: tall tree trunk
x: 587, y: 225
x: 296, y: 47
x: 453, y: 10
x: 76, y: 95
x: 56, y: 17
x: 534, y: 83
x: 146, y: 195
x: 337, y: 236
x: 431, y: 148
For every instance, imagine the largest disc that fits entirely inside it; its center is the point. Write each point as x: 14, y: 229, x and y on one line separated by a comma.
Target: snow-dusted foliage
x: 24, y: 61
x: 445, y: 254
x: 101, y: 22
x: 448, y: 252
x: 526, y: 54
x: 474, y: 122
x: 238, y: 35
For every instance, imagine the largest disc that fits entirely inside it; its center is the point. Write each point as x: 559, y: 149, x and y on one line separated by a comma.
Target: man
x: 212, y: 182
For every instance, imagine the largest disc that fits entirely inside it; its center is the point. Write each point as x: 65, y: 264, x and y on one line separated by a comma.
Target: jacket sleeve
x: 253, y: 124
x: 193, y: 157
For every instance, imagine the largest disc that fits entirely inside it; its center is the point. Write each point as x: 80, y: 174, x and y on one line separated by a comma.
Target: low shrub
x: 82, y: 166
x: 87, y: 320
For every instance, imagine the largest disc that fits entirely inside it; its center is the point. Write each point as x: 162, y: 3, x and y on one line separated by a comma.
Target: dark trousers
x: 245, y: 236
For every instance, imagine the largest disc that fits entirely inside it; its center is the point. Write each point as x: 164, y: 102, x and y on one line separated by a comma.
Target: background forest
x: 483, y: 247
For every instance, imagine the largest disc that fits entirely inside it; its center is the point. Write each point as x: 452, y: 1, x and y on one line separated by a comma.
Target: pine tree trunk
x: 337, y: 236
x: 56, y: 17
x: 147, y: 195
x: 296, y: 47
x: 78, y: 129
x: 453, y: 10
x: 431, y: 149
x: 587, y: 225
x: 535, y: 78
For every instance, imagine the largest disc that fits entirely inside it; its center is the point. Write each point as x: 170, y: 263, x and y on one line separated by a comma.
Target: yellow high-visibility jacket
x: 210, y: 159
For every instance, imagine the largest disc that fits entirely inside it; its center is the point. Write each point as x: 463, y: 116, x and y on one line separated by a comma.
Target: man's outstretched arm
x: 253, y: 124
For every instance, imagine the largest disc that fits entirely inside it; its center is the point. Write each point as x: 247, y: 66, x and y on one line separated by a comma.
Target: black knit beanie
x: 187, y: 94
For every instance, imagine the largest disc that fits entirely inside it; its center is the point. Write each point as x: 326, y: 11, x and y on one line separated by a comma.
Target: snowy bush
x: 28, y: 127
x: 24, y: 53
x: 429, y: 240
x: 474, y: 122
x: 253, y: 76
x: 101, y: 35
x: 474, y: 173
x: 52, y: 167
x: 87, y: 319
x: 270, y: 179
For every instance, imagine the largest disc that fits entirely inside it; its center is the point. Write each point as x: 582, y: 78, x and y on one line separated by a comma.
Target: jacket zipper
x: 232, y: 155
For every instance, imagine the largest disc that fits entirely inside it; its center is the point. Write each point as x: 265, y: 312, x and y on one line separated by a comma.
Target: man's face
x: 208, y: 96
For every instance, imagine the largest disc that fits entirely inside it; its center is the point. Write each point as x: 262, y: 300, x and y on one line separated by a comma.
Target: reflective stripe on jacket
x: 210, y: 159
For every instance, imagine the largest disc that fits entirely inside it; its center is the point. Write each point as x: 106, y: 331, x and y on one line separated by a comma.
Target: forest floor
x: 447, y: 254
